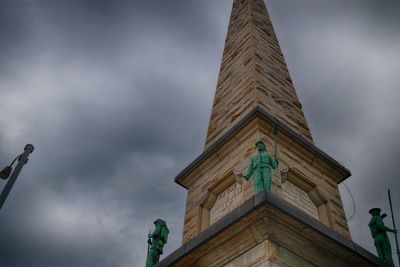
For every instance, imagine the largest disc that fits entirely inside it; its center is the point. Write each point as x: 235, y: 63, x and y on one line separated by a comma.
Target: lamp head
x: 5, y: 173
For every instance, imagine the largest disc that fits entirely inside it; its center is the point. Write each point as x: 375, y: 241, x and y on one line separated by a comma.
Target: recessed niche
x: 298, y: 190
x: 221, y: 198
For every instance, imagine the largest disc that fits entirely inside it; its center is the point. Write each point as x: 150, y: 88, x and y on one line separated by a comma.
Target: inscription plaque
x: 227, y: 201
x: 299, y: 198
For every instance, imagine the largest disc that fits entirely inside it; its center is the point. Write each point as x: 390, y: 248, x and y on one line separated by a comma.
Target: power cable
x: 354, y: 205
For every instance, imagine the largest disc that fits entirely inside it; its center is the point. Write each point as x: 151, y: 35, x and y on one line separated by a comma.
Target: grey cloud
x: 344, y: 70
x: 97, y: 95
x: 116, y: 97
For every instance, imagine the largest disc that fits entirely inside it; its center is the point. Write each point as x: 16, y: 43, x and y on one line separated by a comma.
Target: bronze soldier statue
x: 379, y: 233
x: 156, y: 242
x: 261, y: 165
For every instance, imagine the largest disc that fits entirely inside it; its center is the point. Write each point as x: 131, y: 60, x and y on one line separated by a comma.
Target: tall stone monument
x: 300, y: 221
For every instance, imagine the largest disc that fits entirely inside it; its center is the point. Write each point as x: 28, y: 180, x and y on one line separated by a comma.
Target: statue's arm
x: 390, y: 230
x: 381, y: 226
x: 249, y: 170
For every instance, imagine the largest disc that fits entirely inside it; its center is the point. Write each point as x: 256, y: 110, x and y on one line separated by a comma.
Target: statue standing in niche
x: 379, y: 233
x: 261, y: 165
x: 156, y: 242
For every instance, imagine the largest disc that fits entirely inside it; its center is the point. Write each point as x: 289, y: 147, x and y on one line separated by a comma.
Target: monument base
x: 267, y: 231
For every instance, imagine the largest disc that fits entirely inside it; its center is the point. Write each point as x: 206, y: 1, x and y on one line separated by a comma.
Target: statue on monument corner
x: 379, y: 233
x: 260, y: 167
x: 156, y: 242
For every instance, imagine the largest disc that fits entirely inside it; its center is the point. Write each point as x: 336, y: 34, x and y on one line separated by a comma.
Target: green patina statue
x: 156, y: 242
x: 261, y: 165
x: 379, y: 233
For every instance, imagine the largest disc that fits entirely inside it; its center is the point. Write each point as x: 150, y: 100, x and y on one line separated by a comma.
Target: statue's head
x: 375, y: 211
x: 261, y: 146
x: 160, y: 222
x: 164, y: 231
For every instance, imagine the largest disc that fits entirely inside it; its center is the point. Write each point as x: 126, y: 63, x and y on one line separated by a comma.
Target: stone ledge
x: 277, y: 205
x: 259, y: 112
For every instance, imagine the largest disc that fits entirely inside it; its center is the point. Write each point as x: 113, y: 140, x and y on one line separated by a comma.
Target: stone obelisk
x: 301, y: 221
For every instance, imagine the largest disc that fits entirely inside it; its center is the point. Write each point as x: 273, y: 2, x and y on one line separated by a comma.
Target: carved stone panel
x: 226, y: 201
x: 299, y: 198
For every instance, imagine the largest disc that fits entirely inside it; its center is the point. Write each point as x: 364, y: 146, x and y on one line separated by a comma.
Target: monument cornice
x: 261, y: 113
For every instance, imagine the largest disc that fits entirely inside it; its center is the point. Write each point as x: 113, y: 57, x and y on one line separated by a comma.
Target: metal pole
x: 394, y: 227
x: 23, y: 159
x: 275, y: 133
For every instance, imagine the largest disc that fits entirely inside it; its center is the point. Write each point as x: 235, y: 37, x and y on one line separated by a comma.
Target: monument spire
x: 286, y: 210
x: 253, y: 74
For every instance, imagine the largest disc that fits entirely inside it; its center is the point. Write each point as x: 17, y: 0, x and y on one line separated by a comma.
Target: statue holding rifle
x: 156, y: 242
x: 260, y: 167
x: 379, y: 233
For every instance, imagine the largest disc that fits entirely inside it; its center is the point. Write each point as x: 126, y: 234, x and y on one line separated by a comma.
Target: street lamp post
x: 7, y: 171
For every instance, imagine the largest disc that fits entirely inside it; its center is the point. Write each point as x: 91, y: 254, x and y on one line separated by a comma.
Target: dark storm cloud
x: 79, y: 27
x: 345, y: 71
x: 116, y: 97
x: 96, y: 86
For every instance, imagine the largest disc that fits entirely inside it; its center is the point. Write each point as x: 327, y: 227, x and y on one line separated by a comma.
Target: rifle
x: 148, y: 247
x: 394, y: 227
x: 275, y: 133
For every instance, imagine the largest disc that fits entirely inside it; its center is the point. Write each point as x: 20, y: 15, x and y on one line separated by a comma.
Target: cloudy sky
x: 116, y: 97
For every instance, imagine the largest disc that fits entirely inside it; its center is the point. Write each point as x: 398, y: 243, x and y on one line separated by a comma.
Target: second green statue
x: 261, y: 165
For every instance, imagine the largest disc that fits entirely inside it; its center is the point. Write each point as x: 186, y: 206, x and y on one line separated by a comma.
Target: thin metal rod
x: 394, y: 227
x: 148, y: 249
x: 275, y: 133
x: 22, y: 160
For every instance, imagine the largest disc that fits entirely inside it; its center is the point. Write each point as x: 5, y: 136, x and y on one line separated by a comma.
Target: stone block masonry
x: 253, y: 73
